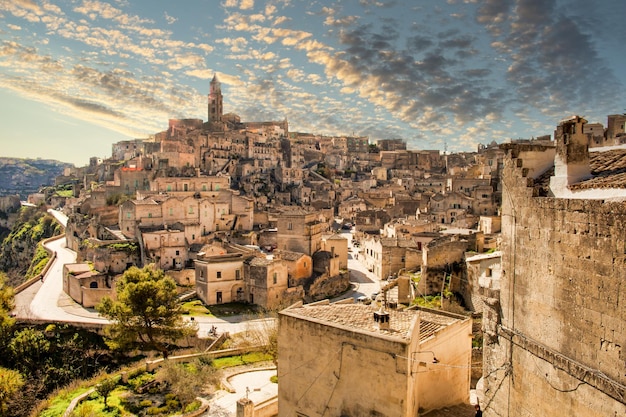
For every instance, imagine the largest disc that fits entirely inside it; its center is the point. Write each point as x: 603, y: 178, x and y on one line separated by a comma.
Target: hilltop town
x: 248, y: 211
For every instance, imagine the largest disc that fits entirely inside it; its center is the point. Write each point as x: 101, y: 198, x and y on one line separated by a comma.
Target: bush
x: 145, y: 403
x: 155, y: 411
x: 136, y: 383
x: 193, y: 406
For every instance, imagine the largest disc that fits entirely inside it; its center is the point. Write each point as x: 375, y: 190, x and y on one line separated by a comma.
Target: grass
x: 59, y: 404
x: 197, y: 308
x: 245, y: 359
x: 117, y: 405
x: 94, y: 405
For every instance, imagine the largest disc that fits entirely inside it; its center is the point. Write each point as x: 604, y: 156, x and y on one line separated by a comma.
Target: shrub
x: 145, y: 403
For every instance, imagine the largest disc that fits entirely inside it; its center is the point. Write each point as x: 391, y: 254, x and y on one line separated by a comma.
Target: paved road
x: 364, y: 282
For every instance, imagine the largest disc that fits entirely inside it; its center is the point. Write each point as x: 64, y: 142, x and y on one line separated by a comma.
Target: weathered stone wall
x: 346, y: 373
x: 558, y: 347
x: 445, y: 256
x: 325, y: 286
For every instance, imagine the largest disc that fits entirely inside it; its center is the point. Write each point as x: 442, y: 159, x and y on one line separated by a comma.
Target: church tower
x: 215, y: 101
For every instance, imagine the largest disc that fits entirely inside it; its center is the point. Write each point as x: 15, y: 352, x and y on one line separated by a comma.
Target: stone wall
x: 442, y: 256
x: 325, y: 286
x: 554, y: 341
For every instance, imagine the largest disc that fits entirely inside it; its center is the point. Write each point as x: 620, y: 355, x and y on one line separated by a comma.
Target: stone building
x: 385, y: 257
x: 300, y: 231
x: 348, y: 359
x: 219, y: 276
x: 267, y: 283
x: 86, y: 286
x: 210, y: 212
x: 554, y: 332
x: 337, y: 245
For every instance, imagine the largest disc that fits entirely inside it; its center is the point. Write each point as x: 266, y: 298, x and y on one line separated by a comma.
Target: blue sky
x: 79, y: 75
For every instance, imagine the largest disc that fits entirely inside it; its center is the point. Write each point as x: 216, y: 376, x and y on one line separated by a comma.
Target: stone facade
x: 554, y: 333
x: 337, y: 360
x: 86, y: 286
x: 219, y: 278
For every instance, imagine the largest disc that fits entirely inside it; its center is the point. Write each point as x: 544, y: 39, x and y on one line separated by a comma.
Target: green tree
x: 30, y: 350
x: 146, y: 310
x: 105, y: 387
x: 10, y: 383
x: 6, y: 304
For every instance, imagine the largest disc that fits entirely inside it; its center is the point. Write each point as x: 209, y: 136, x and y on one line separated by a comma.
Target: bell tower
x: 215, y: 101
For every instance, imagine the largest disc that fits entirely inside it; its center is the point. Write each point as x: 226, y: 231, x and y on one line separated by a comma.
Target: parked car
x: 364, y: 299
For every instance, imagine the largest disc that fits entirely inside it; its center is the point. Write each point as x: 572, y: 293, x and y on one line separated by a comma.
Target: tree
x: 263, y: 331
x: 105, y: 388
x: 187, y: 380
x: 146, y: 310
x: 10, y: 383
x: 6, y: 305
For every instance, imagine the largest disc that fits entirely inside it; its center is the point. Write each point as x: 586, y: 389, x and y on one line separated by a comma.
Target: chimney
x: 382, y: 318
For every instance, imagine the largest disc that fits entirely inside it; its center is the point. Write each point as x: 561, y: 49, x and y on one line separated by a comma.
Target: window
x: 177, y: 252
x: 219, y: 274
x: 275, y: 277
x: 128, y: 215
x: 185, y: 187
x: 169, y: 187
x: 289, y: 226
x: 190, y: 209
x: 149, y: 215
x: 217, y: 187
x: 171, y: 211
x: 237, y: 274
x: 488, y: 272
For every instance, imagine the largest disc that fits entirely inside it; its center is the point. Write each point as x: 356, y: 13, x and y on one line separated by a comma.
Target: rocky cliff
x: 21, y: 177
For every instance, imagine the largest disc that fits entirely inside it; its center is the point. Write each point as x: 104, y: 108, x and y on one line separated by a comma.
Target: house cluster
x: 247, y: 211
x: 250, y: 212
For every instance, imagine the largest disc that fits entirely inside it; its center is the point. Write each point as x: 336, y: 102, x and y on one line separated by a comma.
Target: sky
x: 77, y: 76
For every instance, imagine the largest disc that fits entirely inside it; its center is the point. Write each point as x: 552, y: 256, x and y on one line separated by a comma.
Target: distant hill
x: 24, y: 176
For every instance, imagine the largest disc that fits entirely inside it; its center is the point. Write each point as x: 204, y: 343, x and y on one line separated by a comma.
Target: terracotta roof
x: 608, y: 169
x: 290, y: 255
x: 361, y: 317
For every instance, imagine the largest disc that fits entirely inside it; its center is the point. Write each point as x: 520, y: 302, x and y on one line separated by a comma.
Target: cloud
x: 169, y: 19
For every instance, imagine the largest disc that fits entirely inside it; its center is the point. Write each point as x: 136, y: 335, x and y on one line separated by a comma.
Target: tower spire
x: 215, y: 109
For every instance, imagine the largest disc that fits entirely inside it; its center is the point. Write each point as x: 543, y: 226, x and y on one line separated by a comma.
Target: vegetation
x: 19, y: 247
x: 146, y: 309
x: 186, y: 381
x: 245, y: 359
x: 196, y: 308
x: 105, y: 387
x: 24, y: 176
x: 39, y: 262
x: 130, y: 247
x: 117, y: 199
x: 10, y: 382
